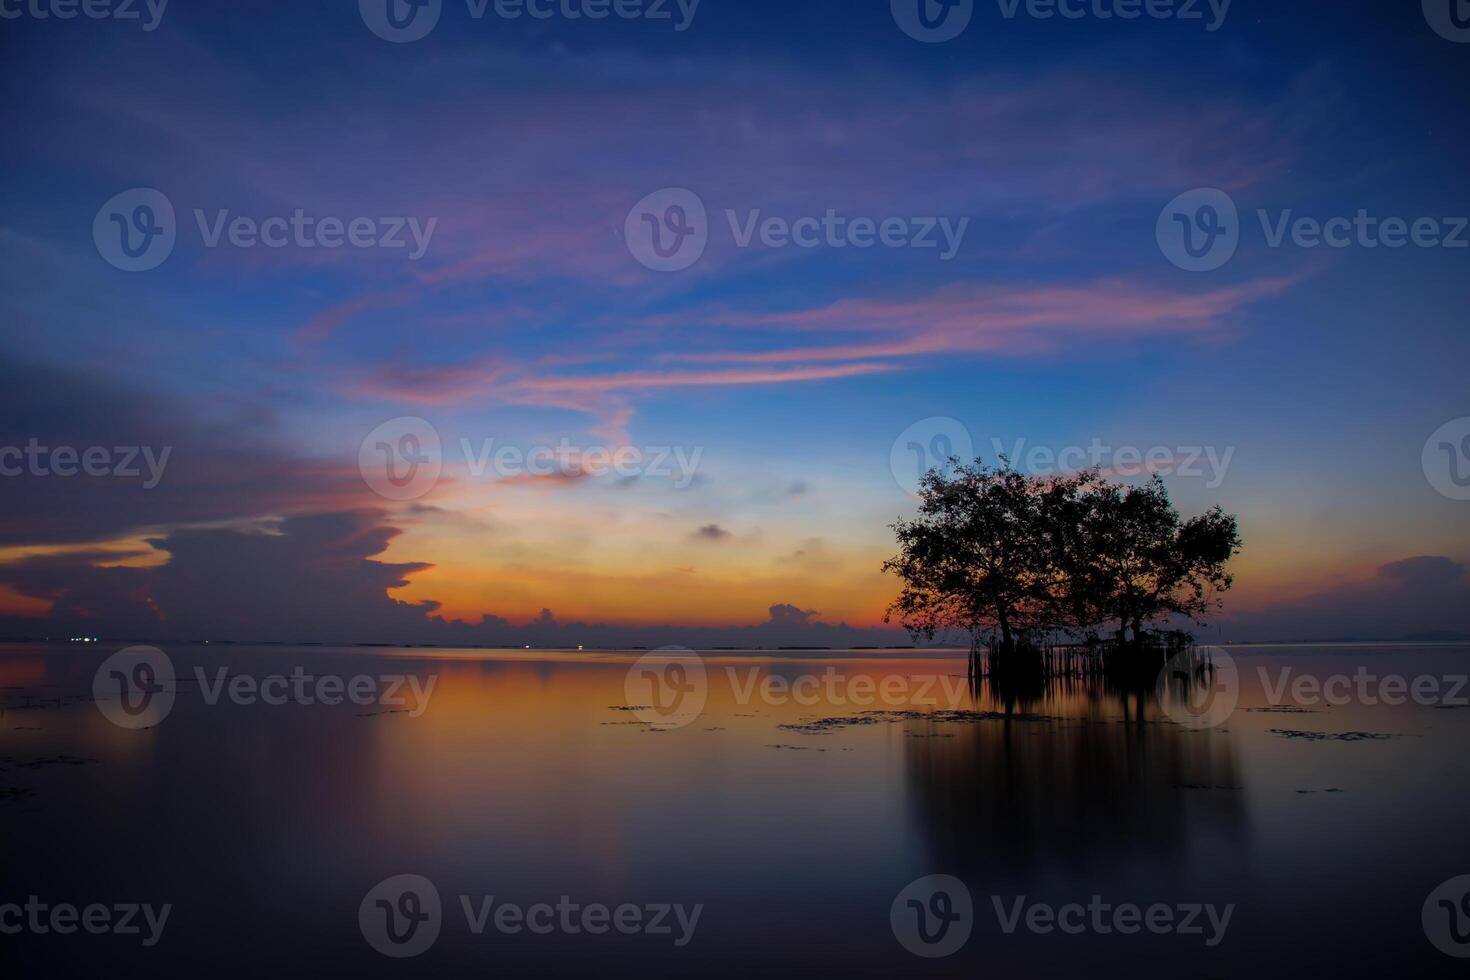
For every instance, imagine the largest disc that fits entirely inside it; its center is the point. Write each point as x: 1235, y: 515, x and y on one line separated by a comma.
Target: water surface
x: 265, y: 826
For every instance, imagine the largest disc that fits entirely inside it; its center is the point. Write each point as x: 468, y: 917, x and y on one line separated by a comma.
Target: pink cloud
x: 982, y: 318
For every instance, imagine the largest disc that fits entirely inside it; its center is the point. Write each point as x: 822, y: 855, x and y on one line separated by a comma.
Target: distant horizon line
x: 1451, y: 639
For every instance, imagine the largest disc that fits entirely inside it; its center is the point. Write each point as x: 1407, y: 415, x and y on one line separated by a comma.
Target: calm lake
x: 769, y: 829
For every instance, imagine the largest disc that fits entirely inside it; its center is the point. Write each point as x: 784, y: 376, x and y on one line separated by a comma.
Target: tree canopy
x: 997, y: 552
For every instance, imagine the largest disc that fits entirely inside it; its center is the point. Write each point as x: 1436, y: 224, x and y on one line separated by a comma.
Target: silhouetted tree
x: 1000, y: 552
x: 979, y: 557
x: 1131, y: 560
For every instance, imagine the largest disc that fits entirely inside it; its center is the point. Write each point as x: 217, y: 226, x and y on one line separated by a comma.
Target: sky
x: 739, y: 267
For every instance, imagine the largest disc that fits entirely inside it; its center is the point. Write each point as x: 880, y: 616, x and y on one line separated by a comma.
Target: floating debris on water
x: 824, y: 726
x: 1330, y: 736
x: 55, y: 760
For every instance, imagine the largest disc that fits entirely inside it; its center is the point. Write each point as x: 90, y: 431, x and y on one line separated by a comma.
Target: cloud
x: 984, y: 318
x: 306, y: 578
x: 545, y: 481
x: 785, y: 614
x: 711, y: 532
x: 1421, y: 594
x: 220, y: 465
